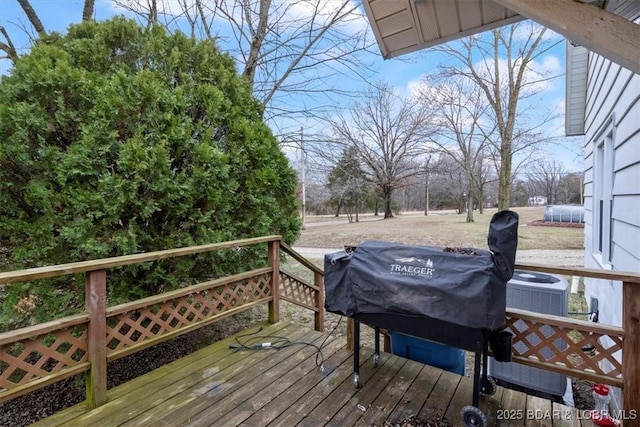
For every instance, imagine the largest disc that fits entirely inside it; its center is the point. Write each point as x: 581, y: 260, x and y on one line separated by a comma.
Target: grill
x: 420, y: 290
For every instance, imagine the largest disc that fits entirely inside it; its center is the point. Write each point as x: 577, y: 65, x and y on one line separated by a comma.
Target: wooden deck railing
x: 39, y: 355
x: 559, y: 341
x: 33, y: 357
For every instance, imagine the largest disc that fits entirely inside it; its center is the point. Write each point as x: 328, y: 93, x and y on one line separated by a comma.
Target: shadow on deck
x: 218, y: 385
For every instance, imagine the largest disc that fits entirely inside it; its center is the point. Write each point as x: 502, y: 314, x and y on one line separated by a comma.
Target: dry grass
x: 436, y: 229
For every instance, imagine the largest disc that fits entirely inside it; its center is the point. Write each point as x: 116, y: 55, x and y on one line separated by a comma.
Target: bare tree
x: 32, y: 16
x: 547, y: 178
x: 386, y: 132
x: 503, y: 65
x: 448, y: 185
x: 571, y: 188
x: 284, y: 48
x: 347, y: 184
x: 459, y: 110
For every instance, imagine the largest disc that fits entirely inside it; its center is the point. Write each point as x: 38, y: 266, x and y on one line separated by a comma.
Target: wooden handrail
x: 301, y: 259
x: 623, y: 276
x: 318, y: 284
x: 105, y: 263
x: 565, y: 322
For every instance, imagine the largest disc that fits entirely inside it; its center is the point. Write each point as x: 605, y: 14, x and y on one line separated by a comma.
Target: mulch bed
x: 543, y: 223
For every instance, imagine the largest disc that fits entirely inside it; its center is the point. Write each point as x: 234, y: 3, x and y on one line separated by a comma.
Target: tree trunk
x: 87, y: 10
x: 388, y: 212
x: 357, y: 210
x: 504, y: 178
x: 257, y: 40
x: 481, y: 199
x: 469, y: 208
x: 153, y: 13
x: 426, y: 195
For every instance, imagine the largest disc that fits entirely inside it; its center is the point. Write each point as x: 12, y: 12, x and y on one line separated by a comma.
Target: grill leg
x: 476, y: 379
x: 356, y: 354
x: 376, y: 355
x: 487, y: 385
x: 485, y: 357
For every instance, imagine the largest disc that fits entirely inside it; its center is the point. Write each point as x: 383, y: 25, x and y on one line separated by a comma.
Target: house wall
x: 612, y: 117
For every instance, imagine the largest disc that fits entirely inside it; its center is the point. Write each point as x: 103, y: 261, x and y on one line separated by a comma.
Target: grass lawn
x: 436, y: 229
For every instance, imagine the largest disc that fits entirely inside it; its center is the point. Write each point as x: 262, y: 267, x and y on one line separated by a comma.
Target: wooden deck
x: 220, y: 386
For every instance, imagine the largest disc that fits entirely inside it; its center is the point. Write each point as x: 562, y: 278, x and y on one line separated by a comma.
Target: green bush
x: 115, y: 139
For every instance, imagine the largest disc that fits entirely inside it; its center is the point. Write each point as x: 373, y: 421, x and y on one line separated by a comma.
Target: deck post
x: 631, y: 353
x: 274, y: 263
x: 318, y: 318
x: 95, y: 303
x: 350, y: 327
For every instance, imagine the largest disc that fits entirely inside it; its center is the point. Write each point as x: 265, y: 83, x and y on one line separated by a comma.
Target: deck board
x: 416, y: 395
x: 295, y: 395
x: 208, y: 376
x: 538, y: 412
x: 229, y: 391
x: 438, y: 401
x: 341, y: 395
x: 361, y: 401
x: 490, y: 405
x: 219, y: 386
x: 463, y: 396
x: 566, y: 417
x: 513, y: 409
x: 274, y: 382
x: 392, y: 396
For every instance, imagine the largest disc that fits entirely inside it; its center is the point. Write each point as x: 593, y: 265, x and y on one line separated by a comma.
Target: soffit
x: 403, y: 26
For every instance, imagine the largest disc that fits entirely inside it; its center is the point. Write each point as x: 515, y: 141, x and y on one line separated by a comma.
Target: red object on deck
x: 602, y: 419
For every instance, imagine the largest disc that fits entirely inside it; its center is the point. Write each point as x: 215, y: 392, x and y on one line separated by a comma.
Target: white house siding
x: 577, y: 67
x: 612, y: 107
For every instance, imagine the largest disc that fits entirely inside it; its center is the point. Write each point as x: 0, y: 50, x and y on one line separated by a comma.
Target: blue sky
x: 404, y: 72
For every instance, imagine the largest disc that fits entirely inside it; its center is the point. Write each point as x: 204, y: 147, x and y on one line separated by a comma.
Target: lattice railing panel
x: 297, y: 290
x: 133, y: 327
x: 571, y: 346
x: 40, y: 356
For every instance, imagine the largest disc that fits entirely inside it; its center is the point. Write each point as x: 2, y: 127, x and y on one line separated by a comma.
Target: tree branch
x: 205, y: 26
x: 8, y: 47
x: 32, y: 16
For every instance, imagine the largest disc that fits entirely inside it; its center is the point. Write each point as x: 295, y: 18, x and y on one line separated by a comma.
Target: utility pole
x: 426, y: 186
x: 304, y: 160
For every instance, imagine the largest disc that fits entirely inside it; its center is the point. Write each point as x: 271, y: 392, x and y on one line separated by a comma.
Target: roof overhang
x: 403, y: 26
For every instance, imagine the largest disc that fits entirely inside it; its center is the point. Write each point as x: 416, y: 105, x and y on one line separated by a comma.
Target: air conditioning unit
x: 541, y: 293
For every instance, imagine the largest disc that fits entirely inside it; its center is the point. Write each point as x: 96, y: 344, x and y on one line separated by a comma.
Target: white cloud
x: 525, y: 29
x: 323, y: 10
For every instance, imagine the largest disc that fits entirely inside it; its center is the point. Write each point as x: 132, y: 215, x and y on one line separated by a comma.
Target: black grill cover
x: 385, y: 277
